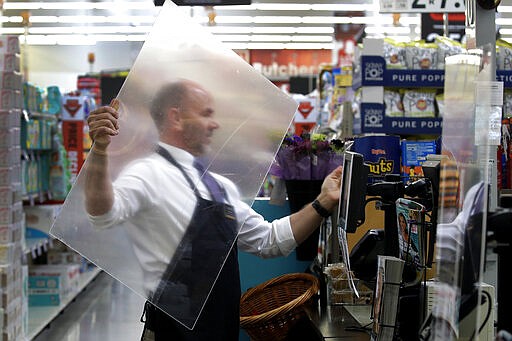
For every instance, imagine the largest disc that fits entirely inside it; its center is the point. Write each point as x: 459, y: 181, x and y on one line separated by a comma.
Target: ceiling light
x: 387, y: 30
x: 77, y: 5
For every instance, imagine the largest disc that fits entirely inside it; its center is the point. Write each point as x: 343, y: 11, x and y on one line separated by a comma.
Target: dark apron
x: 189, y: 276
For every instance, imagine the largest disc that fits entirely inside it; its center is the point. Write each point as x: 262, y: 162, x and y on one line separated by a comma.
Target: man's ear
x: 174, y: 117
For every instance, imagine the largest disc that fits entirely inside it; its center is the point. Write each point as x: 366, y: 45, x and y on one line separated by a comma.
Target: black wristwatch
x: 320, y: 209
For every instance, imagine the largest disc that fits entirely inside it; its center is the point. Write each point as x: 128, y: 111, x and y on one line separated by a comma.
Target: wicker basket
x: 269, y: 310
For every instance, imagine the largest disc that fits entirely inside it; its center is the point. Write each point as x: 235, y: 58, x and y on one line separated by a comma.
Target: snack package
x: 507, y: 103
x: 356, y: 103
x: 394, y: 54
x: 54, y: 99
x: 393, y: 103
x: 59, y: 174
x: 447, y: 47
x: 504, y: 55
x: 421, y: 56
x: 419, y: 103
x: 440, y: 104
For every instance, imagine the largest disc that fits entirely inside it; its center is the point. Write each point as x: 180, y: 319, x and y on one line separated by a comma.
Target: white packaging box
x: 11, y: 214
x: 10, y: 273
x: 11, y: 233
x: 10, y: 195
x: 12, y: 295
x: 10, y: 118
x: 24, y: 300
x: 9, y: 44
x: 10, y: 99
x: 10, y: 62
x: 7, y: 253
x: 9, y: 137
x: 11, y: 80
x: 10, y: 156
x: 69, y: 274
x: 56, y: 257
x: 12, y: 317
x: 10, y: 175
x: 41, y: 217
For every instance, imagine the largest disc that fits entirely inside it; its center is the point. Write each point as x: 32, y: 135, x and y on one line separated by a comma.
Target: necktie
x: 209, y: 181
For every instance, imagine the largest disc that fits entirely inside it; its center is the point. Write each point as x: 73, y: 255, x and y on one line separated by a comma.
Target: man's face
x: 198, y: 122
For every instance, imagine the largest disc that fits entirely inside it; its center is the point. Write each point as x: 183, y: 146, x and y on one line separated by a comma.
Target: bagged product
x: 394, y: 54
x: 447, y: 47
x: 504, y: 55
x: 419, y: 103
x: 393, y: 103
x: 421, y: 56
x: 440, y: 104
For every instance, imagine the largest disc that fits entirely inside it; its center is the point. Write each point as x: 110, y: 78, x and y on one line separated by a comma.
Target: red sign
x: 289, y: 63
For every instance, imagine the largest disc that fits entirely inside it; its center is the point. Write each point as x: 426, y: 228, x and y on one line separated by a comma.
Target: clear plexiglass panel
x: 160, y: 241
x: 468, y: 138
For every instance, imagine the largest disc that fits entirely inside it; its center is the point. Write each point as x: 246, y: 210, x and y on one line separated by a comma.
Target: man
x: 164, y: 197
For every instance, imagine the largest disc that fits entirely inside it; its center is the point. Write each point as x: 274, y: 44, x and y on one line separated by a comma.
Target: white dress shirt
x: 155, y: 197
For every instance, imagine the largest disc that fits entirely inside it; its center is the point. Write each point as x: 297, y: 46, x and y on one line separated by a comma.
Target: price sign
x: 421, y: 6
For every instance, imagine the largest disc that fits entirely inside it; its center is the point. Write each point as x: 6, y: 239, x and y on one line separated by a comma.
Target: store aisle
x: 106, y: 310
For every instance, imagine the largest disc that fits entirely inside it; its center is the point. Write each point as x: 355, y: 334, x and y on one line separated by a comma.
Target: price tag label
x: 421, y: 6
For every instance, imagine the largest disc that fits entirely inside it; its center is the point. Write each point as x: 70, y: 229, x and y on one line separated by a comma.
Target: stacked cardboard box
x: 14, y: 309
x: 51, y: 284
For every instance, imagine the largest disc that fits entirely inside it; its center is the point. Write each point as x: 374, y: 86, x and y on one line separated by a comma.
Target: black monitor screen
x: 302, y: 84
x: 353, y: 192
x: 110, y: 86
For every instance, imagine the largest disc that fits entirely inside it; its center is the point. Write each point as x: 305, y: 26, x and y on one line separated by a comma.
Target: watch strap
x: 320, y: 209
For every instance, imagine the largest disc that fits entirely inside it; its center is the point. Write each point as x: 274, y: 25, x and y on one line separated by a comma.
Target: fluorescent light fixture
x: 384, y: 20
x: 504, y: 21
x: 319, y: 30
x: 280, y: 7
x: 387, y: 30
x: 345, y: 7
x: 12, y: 30
x: 269, y: 30
x: 292, y: 46
x: 80, y: 39
x: 84, y: 19
x: 89, y: 29
x: 301, y: 38
x: 273, y: 38
x: 406, y: 21
x: 77, y: 5
x: 301, y: 7
x: 279, y: 46
x: 504, y: 9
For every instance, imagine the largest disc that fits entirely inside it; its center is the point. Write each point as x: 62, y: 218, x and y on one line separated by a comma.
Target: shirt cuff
x: 284, y: 236
x: 103, y: 221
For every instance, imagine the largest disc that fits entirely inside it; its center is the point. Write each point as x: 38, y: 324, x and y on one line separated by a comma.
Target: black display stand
x: 499, y: 223
x: 301, y: 193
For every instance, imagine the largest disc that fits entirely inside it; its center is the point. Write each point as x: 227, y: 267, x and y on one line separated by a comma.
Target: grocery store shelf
x: 36, y: 246
x: 40, y: 317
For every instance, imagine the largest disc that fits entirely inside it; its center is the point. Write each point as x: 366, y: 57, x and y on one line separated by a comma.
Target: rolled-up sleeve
x: 266, y: 239
x: 106, y: 220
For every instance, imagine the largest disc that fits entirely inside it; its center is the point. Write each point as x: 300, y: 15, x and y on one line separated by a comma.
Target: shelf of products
x: 374, y: 77
x: 40, y: 317
x: 36, y: 246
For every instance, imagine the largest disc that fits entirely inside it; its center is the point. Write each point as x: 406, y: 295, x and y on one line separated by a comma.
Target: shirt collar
x: 181, y: 156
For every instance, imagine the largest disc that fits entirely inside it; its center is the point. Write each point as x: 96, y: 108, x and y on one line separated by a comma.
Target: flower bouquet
x: 307, y: 157
x: 303, y: 162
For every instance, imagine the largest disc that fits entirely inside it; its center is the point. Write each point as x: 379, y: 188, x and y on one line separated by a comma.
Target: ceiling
x: 263, y: 24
